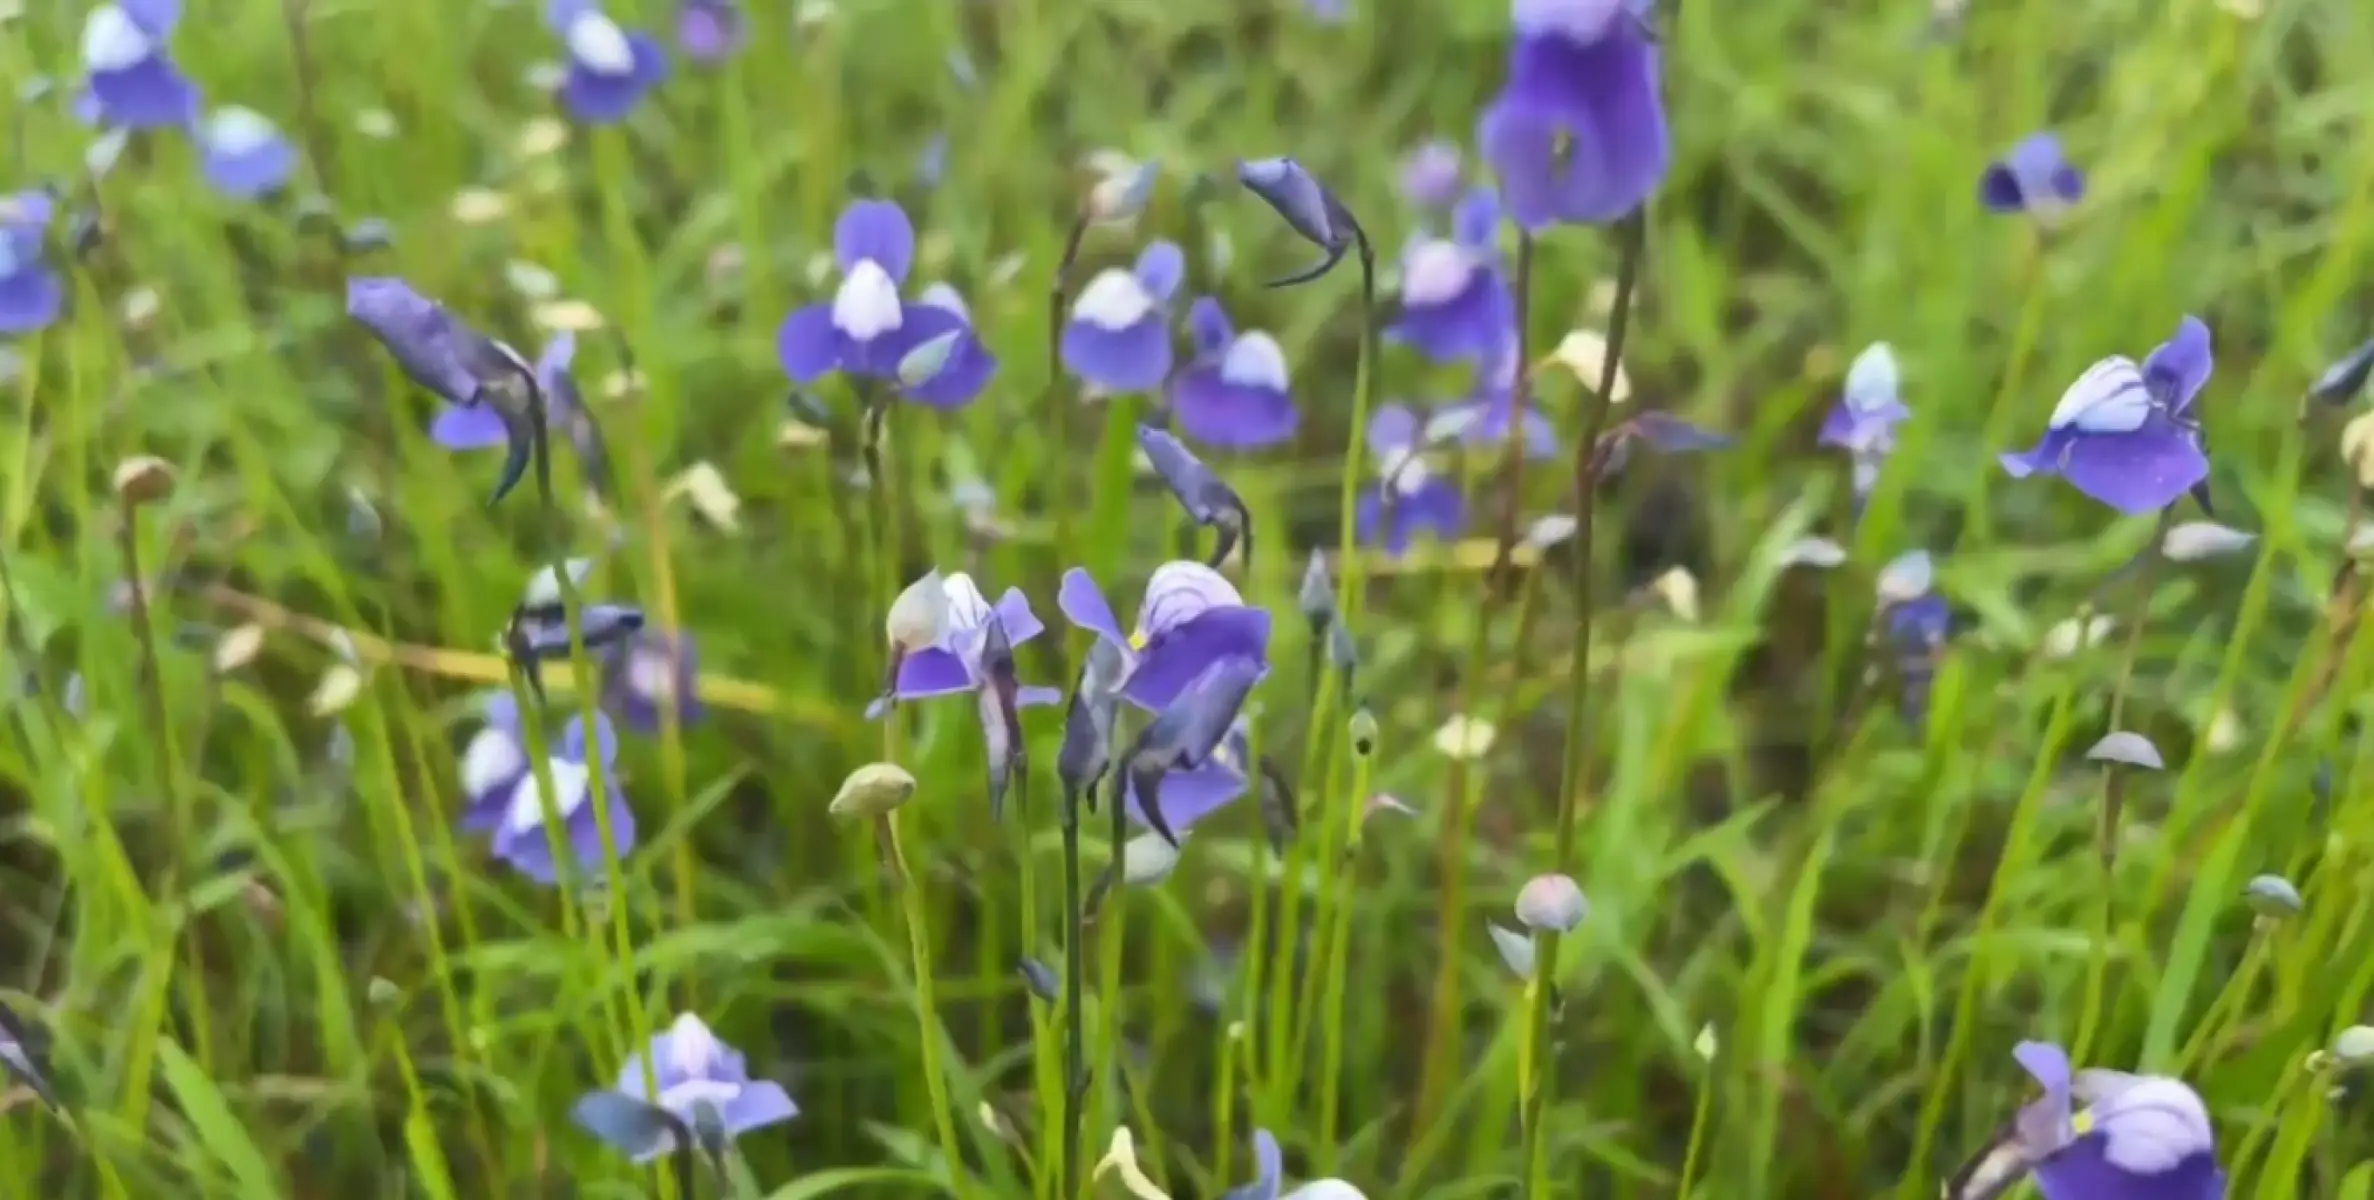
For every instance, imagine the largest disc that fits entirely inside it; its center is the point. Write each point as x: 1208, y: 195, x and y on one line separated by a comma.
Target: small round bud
x: 2272, y: 896
x: 2127, y: 749
x: 2355, y: 1046
x: 873, y: 790
x: 144, y: 479
x: 1551, y: 902
x: 1364, y: 732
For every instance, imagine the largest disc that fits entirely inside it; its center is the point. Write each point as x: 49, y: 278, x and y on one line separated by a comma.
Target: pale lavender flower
x: 1408, y: 498
x: 952, y: 665
x: 691, y: 1070
x: 243, y: 154
x: 2034, y: 177
x: 1430, y: 174
x: 1118, y: 337
x: 1455, y: 304
x: 610, y: 68
x: 1236, y: 394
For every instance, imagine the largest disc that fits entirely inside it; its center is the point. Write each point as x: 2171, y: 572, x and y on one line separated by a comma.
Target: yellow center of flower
x: 2081, y: 1122
x: 1137, y: 640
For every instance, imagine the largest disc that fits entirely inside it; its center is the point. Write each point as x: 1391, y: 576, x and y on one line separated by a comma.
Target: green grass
x: 272, y: 976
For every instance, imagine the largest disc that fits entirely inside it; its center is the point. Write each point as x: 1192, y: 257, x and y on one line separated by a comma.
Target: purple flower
x: 690, y: 1070
x: 1235, y: 393
x: 1119, y: 336
x: 243, y: 153
x: 133, y: 83
x: 2126, y: 435
x: 1309, y: 209
x: 1190, y: 618
x: 1187, y: 734
x: 436, y: 350
x: 1269, y: 1170
x: 609, y: 67
x: 2034, y: 178
x: 578, y: 765
x: 708, y: 31
x: 650, y: 674
x: 31, y: 295
x: 1408, y: 498
x: 970, y: 362
x: 1454, y: 303
x: 493, y: 763
x: 2137, y: 1137
x: 1430, y: 174
x: 1331, y: 12
x: 1915, y: 621
x: 1198, y: 490
x: 1482, y: 420
x: 1577, y: 135
x: 1187, y: 796
x: 1863, y: 422
x: 952, y: 664
x: 865, y: 330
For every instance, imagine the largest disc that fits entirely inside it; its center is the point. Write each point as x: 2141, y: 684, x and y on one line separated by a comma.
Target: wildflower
x: 1118, y: 337
x: 951, y: 661
x: 460, y: 365
x: 2137, y: 1136
x: 1309, y: 209
x: 2344, y: 380
x: 520, y: 837
x: 1430, y: 174
x: 1482, y: 419
x: 1208, y: 501
x: 2034, y: 177
x: 1660, y: 431
x: 1186, y: 734
x: 22, y: 1058
x: 133, y: 82
x: 865, y: 330
x: 1188, y: 795
x: 493, y: 763
x: 1863, y: 422
x: 1190, y: 619
x: 708, y: 31
x: 1235, y: 395
x: 1408, y: 498
x: 1085, y: 753
x: 244, y: 154
x: 1577, y: 134
x: 1914, y: 622
x: 472, y: 426
x: 1454, y: 302
x: 649, y: 674
x: 691, y: 1070
x: 609, y: 67
x: 1551, y: 903
x: 2126, y: 435
x: 31, y: 296
x: 969, y: 364
x: 539, y: 632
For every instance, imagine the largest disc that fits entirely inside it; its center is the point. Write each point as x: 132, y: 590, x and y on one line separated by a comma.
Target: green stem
x: 1338, y: 954
x: 927, y: 1024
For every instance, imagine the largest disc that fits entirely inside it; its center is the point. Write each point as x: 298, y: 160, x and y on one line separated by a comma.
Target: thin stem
x: 1512, y: 451
x: 927, y: 1024
x: 1075, y: 993
x: 1701, y: 1115
x: 1058, y: 300
x: 1331, y: 1010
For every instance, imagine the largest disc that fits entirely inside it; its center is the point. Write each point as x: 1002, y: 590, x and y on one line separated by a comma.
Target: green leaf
x: 219, y: 1131
x: 840, y: 1179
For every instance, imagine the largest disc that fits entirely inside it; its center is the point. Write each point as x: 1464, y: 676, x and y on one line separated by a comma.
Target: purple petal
x: 601, y: 99
x: 2034, y: 175
x: 2178, y: 368
x: 1430, y: 175
x: 807, y: 345
x: 1013, y: 611
x: 30, y: 299
x: 1218, y: 413
x: 1470, y: 323
x: 244, y: 156
x: 2140, y: 472
x: 1084, y: 604
x: 1208, y: 324
x: 969, y: 365
x: 761, y: 1102
x: 149, y: 94
x: 1476, y: 222
x: 931, y: 672
x: 708, y: 30
x: 1579, y: 134
x: 1179, y: 656
x: 574, y: 742
x: 1187, y: 797
x: 468, y: 427
x: 156, y: 18
x: 1136, y: 358
x: 1435, y: 507
x: 1394, y: 427
x: 1160, y: 269
x: 875, y: 231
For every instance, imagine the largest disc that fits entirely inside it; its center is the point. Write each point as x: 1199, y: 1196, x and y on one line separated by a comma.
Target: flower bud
x: 143, y: 479
x: 1551, y: 902
x: 873, y: 790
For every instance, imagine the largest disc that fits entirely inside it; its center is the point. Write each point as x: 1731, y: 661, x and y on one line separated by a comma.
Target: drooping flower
x: 1430, y: 174
x: 457, y: 363
x: 1208, y: 500
x: 865, y: 330
x: 539, y: 630
x: 2110, y: 1135
x: 1660, y: 431
x: 2345, y: 379
x: 1188, y: 795
x: 1186, y: 734
x: 1309, y: 209
x: 133, y: 81
x: 709, y: 31
x: 2033, y: 177
x: 1118, y: 337
x: 1454, y: 302
x: 1863, y: 422
x: 577, y: 766
x: 1408, y: 498
x: 1578, y: 133
x: 479, y: 426
x: 31, y: 295
x: 243, y: 153
x: 2126, y: 435
x: 1190, y: 618
x: 1236, y: 394
x: 689, y: 1070
x: 610, y: 68
x: 970, y: 362
x: 951, y: 663
x: 650, y: 674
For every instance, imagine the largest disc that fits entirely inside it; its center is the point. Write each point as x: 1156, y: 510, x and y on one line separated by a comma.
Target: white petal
x: 1188, y: 573
x: 967, y: 607
x: 1254, y: 360
x: 572, y: 785
x: 2151, y: 1127
x: 1516, y: 950
x: 682, y: 1098
x: 233, y: 130
x: 1147, y: 859
x: 920, y: 614
x: 2108, y: 398
x: 492, y: 760
x: 1872, y: 382
x: 544, y: 586
x: 1325, y: 1189
x: 111, y: 42
x: 600, y: 46
x: 1580, y: 21
x: 867, y: 305
x: 692, y: 1049
x: 2196, y: 540
x: 1434, y: 272
x: 1113, y: 300
x: 947, y: 299
x: 1908, y: 576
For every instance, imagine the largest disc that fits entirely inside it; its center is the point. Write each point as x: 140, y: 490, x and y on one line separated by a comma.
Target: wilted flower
x: 1190, y: 618
x: 243, y: 153
x: 1086, y: 751
x: 652, y: 673
x: 460, y: 365
x: 2137, y: 1136
x: 1118, y: 337
x: 865, y: 330
x: 691, y: 1071
x: 1185, y: 735
x: 1660, y: 431
x: 1551, y: 902
x: 1408, y: 497
x: 133, y: 83
x: 1123, y: 187
x: 1430, y: 174
x: 1578, y: 133
x: 31, y: 295
x: 1308, y: 207
x: 516, y: 818
x: 2344, y: 380
x: 1235, y: 394
x: 2034, y: 178
x: 609, y: 67
x: 1863, y: 422
x: 1454, y: 302
x: 952, y: 663
x: 473, y: 425
x: 1482, y: 419
x: 1210, y: 502
x: 21, y: 1058
x: 708, y: 31
x: 2126, y: 436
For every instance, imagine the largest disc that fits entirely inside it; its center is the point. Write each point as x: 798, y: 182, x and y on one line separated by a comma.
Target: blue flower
x: 1578, y: 132
x: 243, y: 153
x: 1863, y: 422
x: 2137, y: 1137
x: 970, y: 361
x: 692, y: 1071
x: 1430, y: 174
x: 31, y: 295
x: 1118, y: 337
x: 2034, y: 177
x: 610, y: 68
x: 652, y: 673
x: 1190, y: 618
x: 953, y: 663
x: 515, y: 816
x: 2126, y: 435
x: 1454, y: 302
x: 865, y: 329
x: 133, y: 82
x: 1408, y: 498
x: 709, y: 31
x: 1236, y: 393
x: 1308, y: 207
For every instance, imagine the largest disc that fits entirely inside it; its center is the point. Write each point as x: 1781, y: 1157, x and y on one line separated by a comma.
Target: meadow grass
x: 272, y: 969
